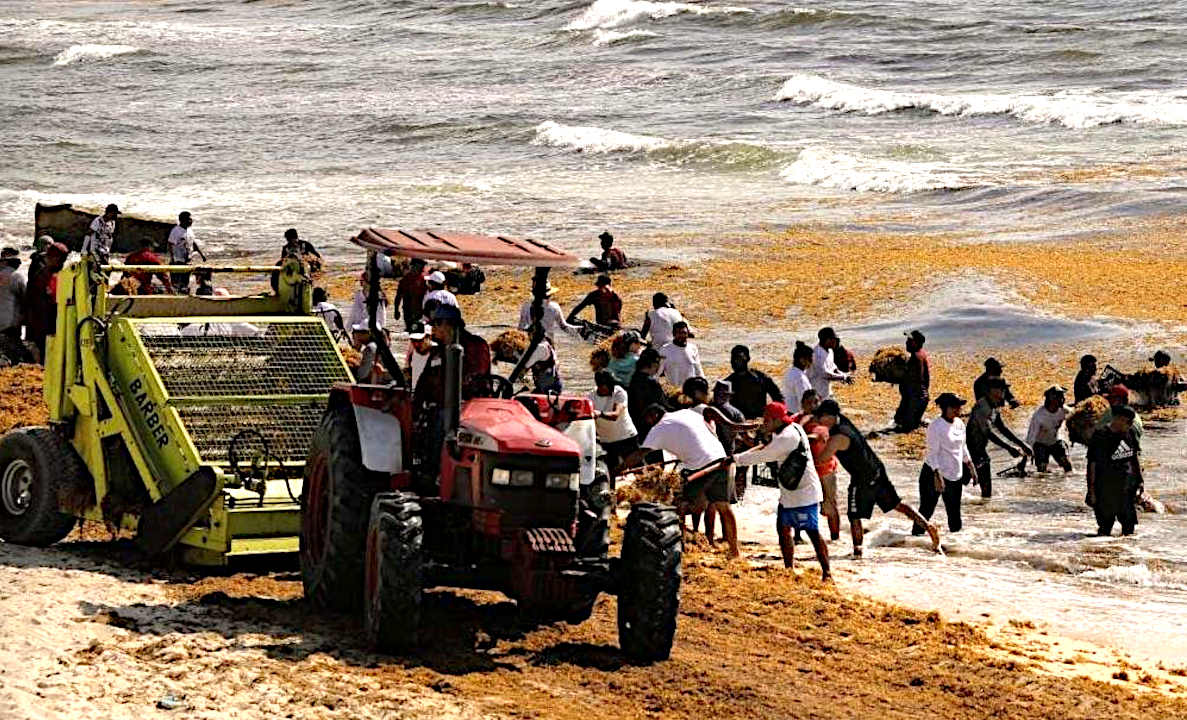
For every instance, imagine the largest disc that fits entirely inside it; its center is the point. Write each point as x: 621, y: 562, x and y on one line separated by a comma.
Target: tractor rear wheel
x: 394, y: 575
x: 335, y: 507
x: 36, y: 466
x: 649, y: 592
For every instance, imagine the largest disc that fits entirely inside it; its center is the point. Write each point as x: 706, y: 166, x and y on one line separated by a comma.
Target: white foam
x: 609, y: 37
x: 1139, y: 575
x: 89, y: 53
x: 1070, y: 108
x: 843, y: 171
x: 607, y: 14
x: 595, y: 140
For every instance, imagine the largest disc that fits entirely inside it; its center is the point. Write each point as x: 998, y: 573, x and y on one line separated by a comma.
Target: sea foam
x: 612, y: 37
x: 606, y: 14
x: 843, y: 171
x: 90, y: 53
x: 595, y: 140
x: 1073, y: 109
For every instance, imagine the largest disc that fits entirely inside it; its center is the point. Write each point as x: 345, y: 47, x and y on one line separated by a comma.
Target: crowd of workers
x: 796, y: 428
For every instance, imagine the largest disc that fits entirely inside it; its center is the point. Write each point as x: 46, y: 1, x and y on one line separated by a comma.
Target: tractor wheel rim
x: 16, y: 487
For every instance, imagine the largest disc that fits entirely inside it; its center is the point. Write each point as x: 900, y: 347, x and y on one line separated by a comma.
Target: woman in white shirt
x: 796, y: 381
x: 947, y: 466
x: 660, y: 320
x: 616, y: 431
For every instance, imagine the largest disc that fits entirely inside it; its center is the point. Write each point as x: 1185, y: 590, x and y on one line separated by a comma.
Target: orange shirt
x: 817, y: 439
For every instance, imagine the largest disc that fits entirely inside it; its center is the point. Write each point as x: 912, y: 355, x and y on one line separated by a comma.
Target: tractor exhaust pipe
x: 452, y: 400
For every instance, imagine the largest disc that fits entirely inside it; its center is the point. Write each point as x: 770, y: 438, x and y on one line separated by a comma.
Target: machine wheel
x: 35, y: 467
x: 649, y: 591
x: 395, y: 558
x: 594, y: 509
x: 336, y: 504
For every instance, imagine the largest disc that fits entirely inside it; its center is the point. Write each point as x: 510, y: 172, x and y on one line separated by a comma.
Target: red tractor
x: 404, y: 492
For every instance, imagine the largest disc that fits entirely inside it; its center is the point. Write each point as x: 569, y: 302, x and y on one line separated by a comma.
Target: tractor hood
x: 507, y: 427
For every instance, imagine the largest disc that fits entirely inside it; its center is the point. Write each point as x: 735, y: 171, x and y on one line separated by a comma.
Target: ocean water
x: 562, y: 118
x: 558, y: 119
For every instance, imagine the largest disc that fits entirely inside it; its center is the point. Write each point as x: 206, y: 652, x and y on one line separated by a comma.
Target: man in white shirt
x: 553, y: 319
x: 97, y: 243
x: 824, y: 369
x: 947, y: 465
x: 661, y: 320
x: 1046, y: 434
x: 12, y: 294
x: 437, y: 291
x: 616, y: 430
x: 182, y: 245
x: 800, y: 493
x: 796, y: 381
x: 681, y: 359
x: 705, y: 466
x: 359, y: 315
x: 420, y: 350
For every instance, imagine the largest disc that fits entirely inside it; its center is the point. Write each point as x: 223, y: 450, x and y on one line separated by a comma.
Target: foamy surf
x: 91, y: 53
x: 723, y: 154
x: 613, y: 37
x: 606, y: 14
x: 1073, y: 109
x: 594, y: 139
x: 842, y: 171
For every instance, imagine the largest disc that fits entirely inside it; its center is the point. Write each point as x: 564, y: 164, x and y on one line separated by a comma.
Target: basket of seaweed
x: 509, y: 346
x: 889, y: 365
x: 653, y: 483
x: 1082, y: 420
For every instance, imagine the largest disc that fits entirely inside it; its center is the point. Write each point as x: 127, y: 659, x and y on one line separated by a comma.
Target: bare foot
x: 857, y: 553
x: 733, y: 554
x: 827, y: 578
x: 934, y: 533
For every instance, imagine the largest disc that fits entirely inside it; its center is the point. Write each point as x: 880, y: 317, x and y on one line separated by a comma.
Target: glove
x: 1013, y: 452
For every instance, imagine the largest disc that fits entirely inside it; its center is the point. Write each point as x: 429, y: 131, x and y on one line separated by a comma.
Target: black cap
x: 1085, y: 359
x: 992, y: 362
x: 950, y: 400
x: 113, y: 209
x: 603, y: 279
x: 448, y: 314
x: 828, y: 407
x: 290, y: 234
x: 605, y: 235
x: 916, y: 336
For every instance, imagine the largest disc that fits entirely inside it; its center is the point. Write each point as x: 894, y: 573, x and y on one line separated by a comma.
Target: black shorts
x: 864, y: 495
x: 712, y: 487
x: 1056, y: 451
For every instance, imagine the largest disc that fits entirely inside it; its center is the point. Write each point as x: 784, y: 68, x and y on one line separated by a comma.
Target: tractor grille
x: 287, y: 429
x: 239, y: 358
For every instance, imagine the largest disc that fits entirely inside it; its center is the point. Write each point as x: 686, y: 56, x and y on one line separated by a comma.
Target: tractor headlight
x: 500, y: 476
x: 563, y: 481
x: 523, y: 478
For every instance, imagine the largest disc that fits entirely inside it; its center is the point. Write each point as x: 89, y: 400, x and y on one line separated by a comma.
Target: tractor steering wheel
x: 496, y: 385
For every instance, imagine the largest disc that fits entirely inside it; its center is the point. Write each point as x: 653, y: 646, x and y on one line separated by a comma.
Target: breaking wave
x: 1072, y: 109
x: 606, y: 14
x: 842, y: 171
x: 613, y: 37
x: 1139, y: 575
x: 600, y: 141
x: 90, y: 53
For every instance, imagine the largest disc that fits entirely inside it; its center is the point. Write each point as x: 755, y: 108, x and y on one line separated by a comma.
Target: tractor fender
x: 380, y: 440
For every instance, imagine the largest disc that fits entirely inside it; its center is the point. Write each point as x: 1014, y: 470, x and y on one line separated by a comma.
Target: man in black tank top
x: 869, y: 484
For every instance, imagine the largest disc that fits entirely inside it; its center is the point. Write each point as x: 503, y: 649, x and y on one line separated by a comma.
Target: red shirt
x: 412, y: 289
x: 817, y: 439
x: 144, y: 256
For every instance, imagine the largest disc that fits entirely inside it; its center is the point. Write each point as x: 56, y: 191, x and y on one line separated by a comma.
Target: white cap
x: 359, y: 327
x: 437, y: 277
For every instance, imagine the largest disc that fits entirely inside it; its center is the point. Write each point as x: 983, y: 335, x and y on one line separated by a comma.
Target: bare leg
x: 932, y: 530
x: 696, y: 522
x: 857, y: 532
x: 821, y: 553
x: 786, y: 546
x: 729, y: 528
x: 710, y: 523
x: 834, y: 523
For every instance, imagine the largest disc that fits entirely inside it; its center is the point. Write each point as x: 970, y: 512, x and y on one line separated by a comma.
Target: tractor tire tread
x: 57, y: 467
x: 391, y: 616
x: 649, y: 596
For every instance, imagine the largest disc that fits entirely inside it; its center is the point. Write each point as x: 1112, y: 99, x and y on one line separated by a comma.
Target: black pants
x: 929, y: 497
x: 1115, y: 503
x: 616, y: 452
x: 984, y: 470
x: 912, y: 405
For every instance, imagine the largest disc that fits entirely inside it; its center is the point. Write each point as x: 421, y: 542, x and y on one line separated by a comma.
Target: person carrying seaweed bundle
x: 915, y: 386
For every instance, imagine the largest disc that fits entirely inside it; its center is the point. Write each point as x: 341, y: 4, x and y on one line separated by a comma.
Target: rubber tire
x: 55, y: 467
x: 332, y: 568
x: 649, y: 591
x: 395, y: 573
x: 594, y: 510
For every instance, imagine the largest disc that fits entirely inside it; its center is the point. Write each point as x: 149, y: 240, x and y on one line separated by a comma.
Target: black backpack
x: 791, y: 470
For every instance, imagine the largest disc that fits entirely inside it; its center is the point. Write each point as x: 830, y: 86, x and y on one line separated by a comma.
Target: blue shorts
x: 806, y: 517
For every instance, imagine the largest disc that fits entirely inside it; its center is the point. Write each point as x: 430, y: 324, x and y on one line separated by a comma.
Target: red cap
x: 1119, y: 391
x: 775, y: 411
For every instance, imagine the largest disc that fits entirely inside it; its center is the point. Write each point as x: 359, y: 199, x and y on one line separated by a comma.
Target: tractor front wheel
x: 394, y: 574
x: 649, y: 586
x: 335, y: 505
x: 36, y: 466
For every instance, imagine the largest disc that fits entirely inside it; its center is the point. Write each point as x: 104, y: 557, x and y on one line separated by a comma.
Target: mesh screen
x: 237, y: 358
x: 287, y: 429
